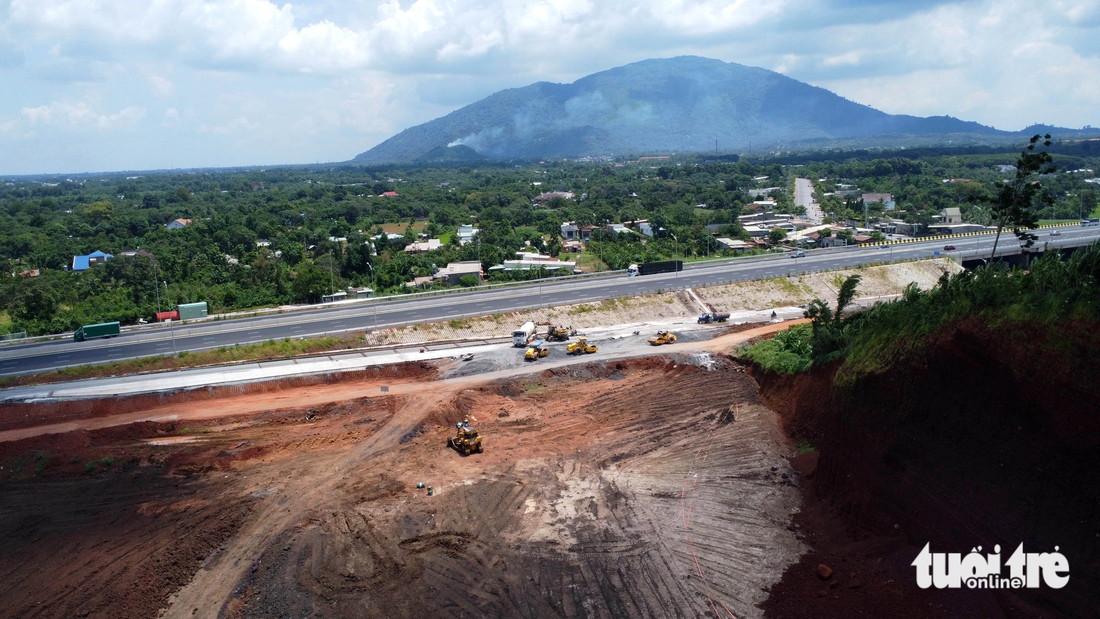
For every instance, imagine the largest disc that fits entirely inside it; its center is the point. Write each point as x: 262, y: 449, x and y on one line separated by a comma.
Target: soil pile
x: 990, y: 437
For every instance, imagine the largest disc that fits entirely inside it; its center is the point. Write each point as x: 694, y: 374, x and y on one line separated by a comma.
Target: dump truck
x: 103, y: 329
x: 663, y: 337
x: 580, y: 346
x: 649, y: 268
x: 466, y: 439
x: 714, y: 317
x: 522, y: 335
x: 558, y: 333
x: 535, y: 351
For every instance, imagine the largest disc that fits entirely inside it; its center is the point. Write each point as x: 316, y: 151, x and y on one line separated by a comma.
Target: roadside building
x: 466, y: 234
x: 83, y: 263
x: 130, y: 253
x: 419, y: 282
x: 550, y: 195
x: 453, y: 272
x: 424, y: 246
x: 886, y: 199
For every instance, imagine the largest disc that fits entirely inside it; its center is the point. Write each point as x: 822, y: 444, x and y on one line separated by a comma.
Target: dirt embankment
x: 647, y: 487
x: 15, y: 415
x: 991, y: 437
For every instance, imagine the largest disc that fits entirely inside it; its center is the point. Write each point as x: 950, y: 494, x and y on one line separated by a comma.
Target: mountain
x: 678, y: 104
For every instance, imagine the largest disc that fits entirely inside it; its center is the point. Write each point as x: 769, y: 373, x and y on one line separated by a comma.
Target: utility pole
x: 156, y: 285
x: 374, y: 293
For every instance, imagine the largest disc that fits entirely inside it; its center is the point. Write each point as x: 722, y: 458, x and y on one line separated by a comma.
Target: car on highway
x: 798, y: 254
x: 949, y: 248
x: 1055, y: 233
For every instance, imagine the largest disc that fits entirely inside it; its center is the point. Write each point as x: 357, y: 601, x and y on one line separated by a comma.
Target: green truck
x: 103, y: 329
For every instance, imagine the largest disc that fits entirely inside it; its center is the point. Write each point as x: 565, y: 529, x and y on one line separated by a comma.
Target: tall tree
x: 1013, y: 205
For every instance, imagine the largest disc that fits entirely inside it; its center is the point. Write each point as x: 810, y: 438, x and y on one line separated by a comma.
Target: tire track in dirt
x: 218, y: 578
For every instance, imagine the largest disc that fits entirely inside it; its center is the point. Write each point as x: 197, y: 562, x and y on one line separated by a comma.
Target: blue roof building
x: 81, y: 263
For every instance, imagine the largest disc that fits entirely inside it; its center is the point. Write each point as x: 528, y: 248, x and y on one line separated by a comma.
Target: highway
x: 387, y: 312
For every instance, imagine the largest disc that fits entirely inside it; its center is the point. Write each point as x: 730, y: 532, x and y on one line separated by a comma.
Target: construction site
x: 648, y: 486
x: 566, y: 469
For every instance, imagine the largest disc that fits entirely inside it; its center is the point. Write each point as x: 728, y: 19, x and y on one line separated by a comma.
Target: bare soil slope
x: 653, y: 487
x: 990, y: 436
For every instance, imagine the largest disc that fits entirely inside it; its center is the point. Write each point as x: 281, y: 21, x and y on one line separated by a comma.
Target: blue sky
x: 98, y: 85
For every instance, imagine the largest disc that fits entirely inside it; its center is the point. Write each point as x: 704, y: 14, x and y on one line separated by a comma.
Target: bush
x: 789, y: 352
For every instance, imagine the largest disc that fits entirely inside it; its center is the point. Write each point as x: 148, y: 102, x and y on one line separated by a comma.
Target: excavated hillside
x: 985, y: 436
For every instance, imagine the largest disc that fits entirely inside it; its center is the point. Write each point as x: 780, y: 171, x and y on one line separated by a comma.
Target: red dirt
x: 608, y: 489
x: 26, y: 415
x: 986, y: 440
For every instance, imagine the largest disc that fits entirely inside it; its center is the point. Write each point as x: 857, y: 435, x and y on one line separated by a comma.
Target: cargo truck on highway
x: 649, y: 268
x: 103, y: 329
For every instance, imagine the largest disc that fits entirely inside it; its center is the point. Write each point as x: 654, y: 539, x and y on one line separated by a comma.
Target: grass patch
x: 590, y: 262
x: 459, y: 323
x: 264, y: 351
x: 41, y: 459
x: 789, y: 287
x: 805, y: 448
x: 104, y: 463
x: 789, y: 352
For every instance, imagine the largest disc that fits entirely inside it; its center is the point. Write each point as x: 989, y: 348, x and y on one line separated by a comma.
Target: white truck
x: 521, y: 335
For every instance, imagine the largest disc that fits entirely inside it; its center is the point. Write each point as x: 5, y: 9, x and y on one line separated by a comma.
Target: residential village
x: 239, y: 240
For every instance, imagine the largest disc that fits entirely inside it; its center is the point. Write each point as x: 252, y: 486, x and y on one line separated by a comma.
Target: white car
x: 1056, y: 233
x: 798, y: 254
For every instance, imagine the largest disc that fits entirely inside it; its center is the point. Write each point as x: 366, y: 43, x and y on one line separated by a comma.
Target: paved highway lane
x: 29, y: 358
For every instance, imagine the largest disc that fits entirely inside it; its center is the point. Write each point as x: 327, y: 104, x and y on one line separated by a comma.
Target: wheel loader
x: 580, y: 346
x: 663, y: 337
x: 534, y: 353
x: 466, y: 440
x: 558, y: 333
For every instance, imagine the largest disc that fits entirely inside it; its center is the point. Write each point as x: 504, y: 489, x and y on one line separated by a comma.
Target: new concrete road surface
x: 614, y: 342
x: 395, y: 311
x: 804, y: 196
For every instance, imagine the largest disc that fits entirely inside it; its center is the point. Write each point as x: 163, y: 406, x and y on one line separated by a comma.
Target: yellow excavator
x: 466, y: 440
x: 663, y: 337
x: 580, y: 346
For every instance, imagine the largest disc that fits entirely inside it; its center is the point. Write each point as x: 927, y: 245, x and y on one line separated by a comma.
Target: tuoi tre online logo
x: 975, y: 571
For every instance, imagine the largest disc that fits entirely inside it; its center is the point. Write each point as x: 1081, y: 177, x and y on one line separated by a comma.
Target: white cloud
x: 161, y: 86
x: 80, y: 116
x: 269, y: 81
x: 171, y: 117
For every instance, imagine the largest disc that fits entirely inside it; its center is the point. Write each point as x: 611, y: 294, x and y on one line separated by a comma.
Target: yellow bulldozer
x: 466, y: 440
x: 663, y: 337
x: 535, y: 352
x: 580, y: 346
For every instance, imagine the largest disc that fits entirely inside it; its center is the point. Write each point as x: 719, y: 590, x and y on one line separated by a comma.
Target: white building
x: 466, y: 234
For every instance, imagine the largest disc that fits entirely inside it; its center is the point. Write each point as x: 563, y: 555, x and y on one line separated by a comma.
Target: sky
x: 106, y: 85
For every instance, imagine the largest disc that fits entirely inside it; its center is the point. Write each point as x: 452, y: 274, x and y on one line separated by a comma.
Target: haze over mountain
x: 678, y: 104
